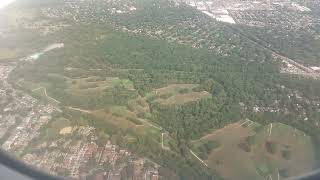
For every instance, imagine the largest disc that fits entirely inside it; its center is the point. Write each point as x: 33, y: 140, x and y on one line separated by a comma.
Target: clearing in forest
x: 93, y: 85
x: 176, y: 94
x: 285, y: 152
x: 66, y: 130
x: 122, y: 118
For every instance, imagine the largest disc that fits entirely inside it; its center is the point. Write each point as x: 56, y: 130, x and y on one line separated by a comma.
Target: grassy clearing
x: 175, y: 88
x: 60, y: 123
x: 138, y: 105
x: 31, y: 86
x: 124, y: 83
x: 284, y: 150
x: 116, y: 120
x: 124, y: 115
x: 149, y: 131
x: 52, y: 131
x: 39, y: 90
x: 121, y: 111
x: 66, y: 130
x: 124, y: 119
x: 90, y: 86
x: 87, y: 86
x: 185, y: 98
x: 177, y: 94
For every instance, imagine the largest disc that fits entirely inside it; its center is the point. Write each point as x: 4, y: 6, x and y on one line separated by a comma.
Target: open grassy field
x: 121, y: 117
x: 96, y: 92
x: 284, y: 149
x: 281, y: 151
x: 185, y: 98
x: 55, y: 127
x: 93, y: 85
x: 119, y: 105
x: 115, y: 119
x: 124, y: 119
x: 138, y: 105
x: 32, y: 86
x: 39, y: 90
x: 175, y: 88
x: 176, y: 94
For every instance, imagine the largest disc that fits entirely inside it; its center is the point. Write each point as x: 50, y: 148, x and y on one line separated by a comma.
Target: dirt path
x: 150, y: 124
x: 270, y: 177
x: 202, y: 162
x: 89, y: 112
x: 162, y: 140
x: 81, y: 110
x: 45, y: 93
x: 247, y: 121
x: 270, y: 130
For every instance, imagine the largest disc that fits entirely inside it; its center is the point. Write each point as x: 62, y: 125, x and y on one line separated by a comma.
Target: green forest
x: 151, y: 64
x: 101, y: 67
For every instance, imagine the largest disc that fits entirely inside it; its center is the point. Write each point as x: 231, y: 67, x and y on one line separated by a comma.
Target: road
x: 270, y: 130
x: 308, y: 71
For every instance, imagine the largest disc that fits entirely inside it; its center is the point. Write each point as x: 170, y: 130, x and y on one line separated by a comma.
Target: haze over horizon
x: 4, y: 3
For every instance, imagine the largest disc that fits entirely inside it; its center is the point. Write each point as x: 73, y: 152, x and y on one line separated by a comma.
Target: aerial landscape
x: 161, y: 89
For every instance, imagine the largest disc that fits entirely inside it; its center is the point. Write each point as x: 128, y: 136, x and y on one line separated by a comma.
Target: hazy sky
x: 3, y: 3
